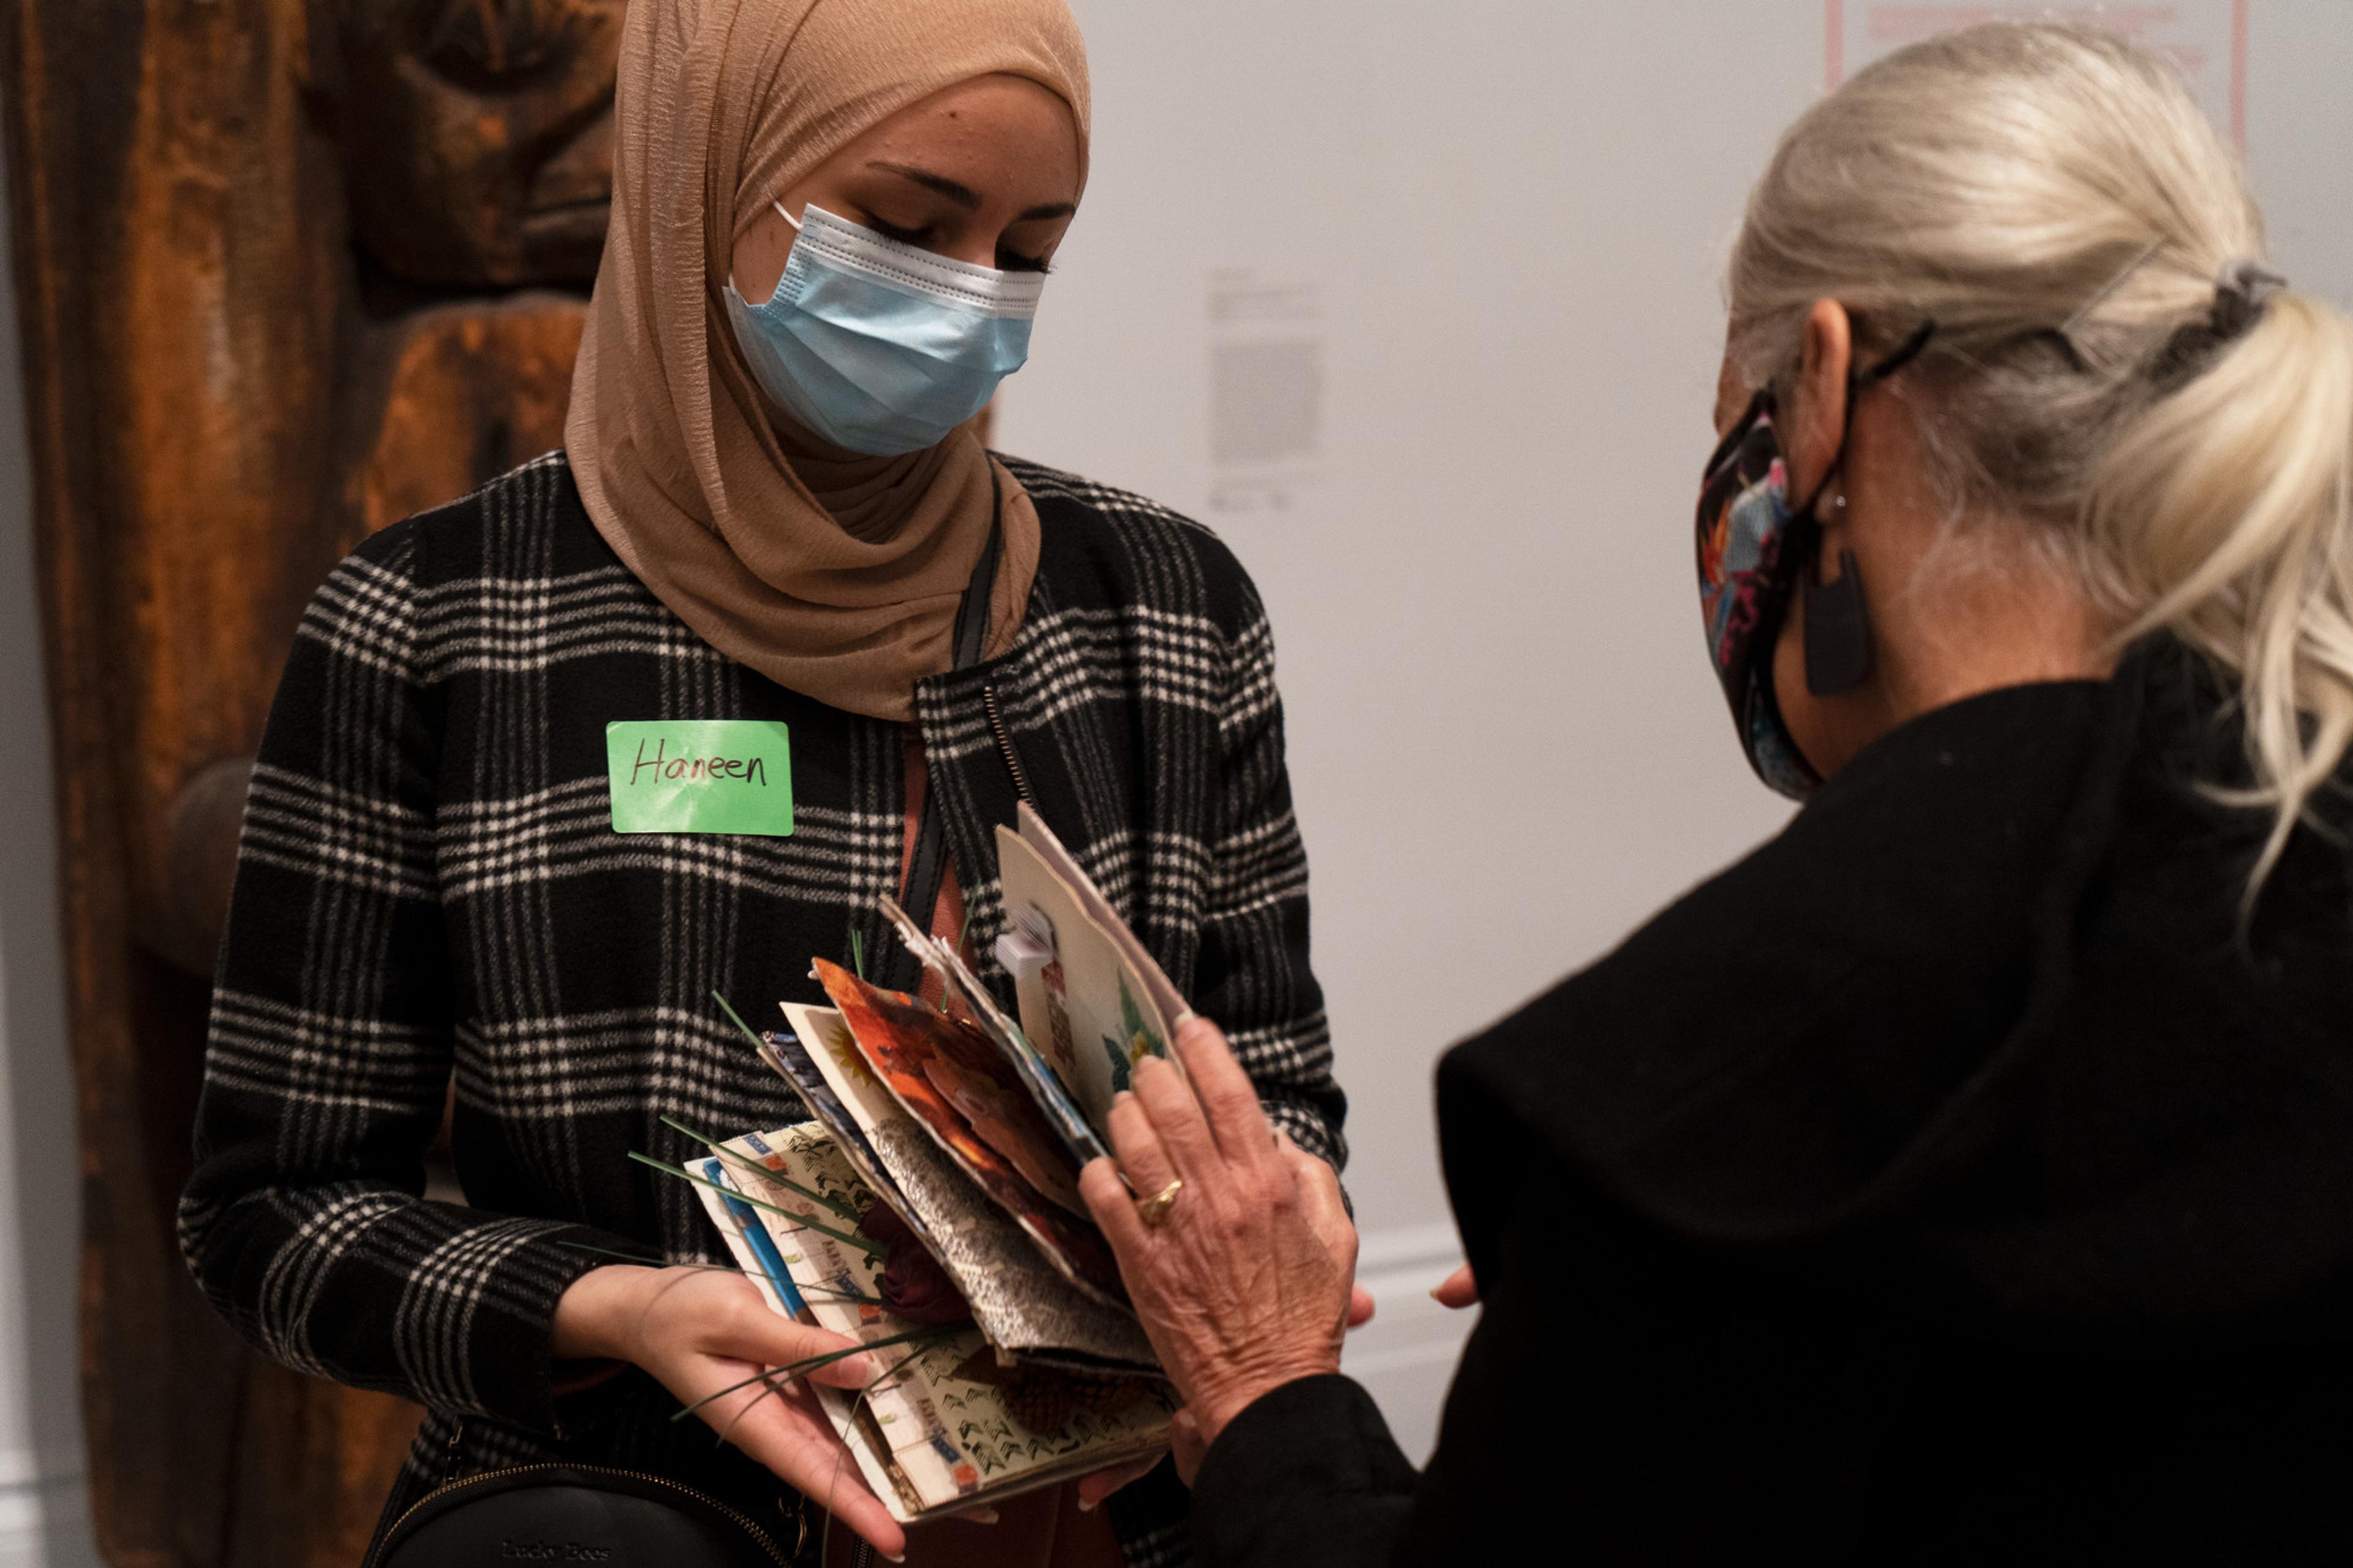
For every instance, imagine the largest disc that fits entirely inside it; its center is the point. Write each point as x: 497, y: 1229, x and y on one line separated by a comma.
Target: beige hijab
x: 831, y: 573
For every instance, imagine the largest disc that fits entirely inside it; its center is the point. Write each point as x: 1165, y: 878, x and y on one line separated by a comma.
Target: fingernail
x: 894, y: 1557
x: 1086, y: 1503
x: 1437, y: 1292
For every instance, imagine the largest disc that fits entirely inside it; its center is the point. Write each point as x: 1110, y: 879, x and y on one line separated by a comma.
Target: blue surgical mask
x: 878, y: 346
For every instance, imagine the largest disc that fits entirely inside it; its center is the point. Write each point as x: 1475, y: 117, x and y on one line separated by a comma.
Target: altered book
x: 930, y: 1207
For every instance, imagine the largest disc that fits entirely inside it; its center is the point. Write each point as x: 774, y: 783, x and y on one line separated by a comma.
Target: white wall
x: 1477, y: 248
x: 44, y: 1505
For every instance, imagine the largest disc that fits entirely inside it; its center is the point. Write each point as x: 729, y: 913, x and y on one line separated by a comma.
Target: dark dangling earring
x: 1838, y: 621
x: 1837, y: 629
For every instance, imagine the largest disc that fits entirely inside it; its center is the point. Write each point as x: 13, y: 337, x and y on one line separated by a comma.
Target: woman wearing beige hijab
x: 832, y: 220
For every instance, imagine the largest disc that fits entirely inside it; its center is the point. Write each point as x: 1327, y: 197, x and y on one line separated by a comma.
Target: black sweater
x: 1948, y: 1181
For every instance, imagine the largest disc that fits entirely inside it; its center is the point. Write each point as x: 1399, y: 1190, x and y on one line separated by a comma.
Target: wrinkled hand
x: 1185, y: 1444
x: 1250, y: 1282
x: 699, y: 1331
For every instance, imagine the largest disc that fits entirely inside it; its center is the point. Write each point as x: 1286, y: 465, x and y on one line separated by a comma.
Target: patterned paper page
x: 1022, y: 1304
x: 1091, y: 1012
x: 960, y: 988
x: 904, y: 1040
x: 954, y: 1420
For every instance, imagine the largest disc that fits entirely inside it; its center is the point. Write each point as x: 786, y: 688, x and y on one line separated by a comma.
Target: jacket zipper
x: 1005, y: 745
x: 756, y: 1533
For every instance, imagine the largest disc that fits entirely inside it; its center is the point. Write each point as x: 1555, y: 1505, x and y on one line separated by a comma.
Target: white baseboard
x: 1405, y: 1357
x: 45, y: 1523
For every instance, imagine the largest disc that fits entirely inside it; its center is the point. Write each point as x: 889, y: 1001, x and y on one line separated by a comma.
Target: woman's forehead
x: 988, y: 135
x: 983, y: 116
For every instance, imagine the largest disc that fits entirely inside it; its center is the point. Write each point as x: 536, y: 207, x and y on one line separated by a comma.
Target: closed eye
x: 914, y: 237
x: 920, y: 238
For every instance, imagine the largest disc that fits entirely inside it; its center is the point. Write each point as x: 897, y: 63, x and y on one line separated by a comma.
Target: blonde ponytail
x: 2109, y: 365
x: 2224, y: 514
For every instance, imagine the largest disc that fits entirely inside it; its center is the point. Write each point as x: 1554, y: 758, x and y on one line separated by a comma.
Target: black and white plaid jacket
x: 428, y: 885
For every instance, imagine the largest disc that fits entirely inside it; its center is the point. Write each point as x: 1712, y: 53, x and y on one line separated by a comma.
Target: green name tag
x: 701, y: 775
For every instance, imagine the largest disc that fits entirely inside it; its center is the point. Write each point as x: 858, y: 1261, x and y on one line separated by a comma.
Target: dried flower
x: 912, y: 1284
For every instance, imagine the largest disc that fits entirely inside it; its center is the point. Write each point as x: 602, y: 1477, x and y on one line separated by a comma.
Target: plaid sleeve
x: 328, y: 1060
x: 1253, y: 977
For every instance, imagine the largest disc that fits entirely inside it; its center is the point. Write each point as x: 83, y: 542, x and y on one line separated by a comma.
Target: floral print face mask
x: 1752, y: 544
x: 1748, y: 562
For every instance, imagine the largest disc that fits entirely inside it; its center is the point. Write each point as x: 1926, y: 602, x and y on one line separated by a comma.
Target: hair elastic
x: 2242, y: 289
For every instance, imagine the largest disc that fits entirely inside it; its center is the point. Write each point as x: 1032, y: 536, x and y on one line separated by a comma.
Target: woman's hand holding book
x: 700, y: 1332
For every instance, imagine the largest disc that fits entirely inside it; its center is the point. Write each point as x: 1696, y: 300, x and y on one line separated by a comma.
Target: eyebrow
x: 964, y: 196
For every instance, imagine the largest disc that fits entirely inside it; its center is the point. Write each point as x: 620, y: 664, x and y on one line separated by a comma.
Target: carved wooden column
x: 286, y: 271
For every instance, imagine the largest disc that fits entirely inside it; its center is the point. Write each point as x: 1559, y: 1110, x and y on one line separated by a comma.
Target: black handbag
x: 575, y: 1513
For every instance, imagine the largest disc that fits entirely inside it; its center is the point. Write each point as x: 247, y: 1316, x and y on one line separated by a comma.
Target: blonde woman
x: 1967, y: 1176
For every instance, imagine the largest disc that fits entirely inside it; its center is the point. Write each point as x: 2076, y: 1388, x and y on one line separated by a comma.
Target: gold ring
x: 1154, y: 1211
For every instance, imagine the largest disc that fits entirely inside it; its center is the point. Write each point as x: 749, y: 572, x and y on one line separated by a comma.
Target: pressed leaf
x: 800, y: 1368
x: 872, y: 1248
x: 845, y: 1210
